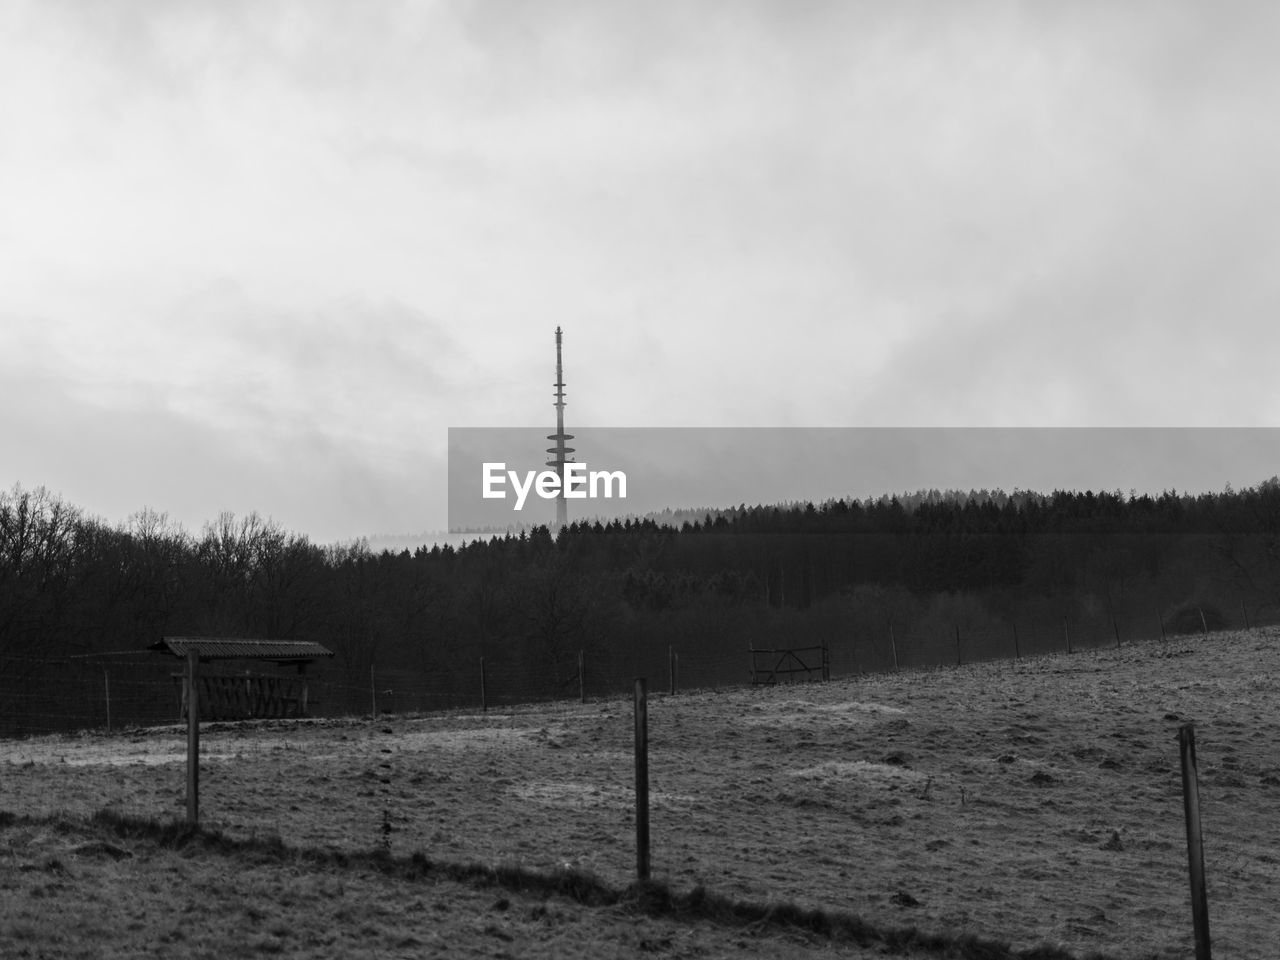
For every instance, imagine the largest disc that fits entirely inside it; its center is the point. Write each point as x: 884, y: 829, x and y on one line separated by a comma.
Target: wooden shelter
x: 228, y: 695
x: 231, y: 696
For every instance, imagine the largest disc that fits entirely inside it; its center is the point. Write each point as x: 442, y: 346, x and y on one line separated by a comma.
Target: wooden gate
x: 781, y: 665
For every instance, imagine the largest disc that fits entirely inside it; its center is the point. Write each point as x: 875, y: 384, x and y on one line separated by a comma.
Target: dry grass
x: 1036, y: 803
x: 120, y: 886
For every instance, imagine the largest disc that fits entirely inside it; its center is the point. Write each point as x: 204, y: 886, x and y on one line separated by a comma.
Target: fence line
x: 116, y: 691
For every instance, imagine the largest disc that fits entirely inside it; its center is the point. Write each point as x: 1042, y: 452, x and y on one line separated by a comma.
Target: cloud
x: 226, y: 403
x: 317, y: 233
x: 114, y: 460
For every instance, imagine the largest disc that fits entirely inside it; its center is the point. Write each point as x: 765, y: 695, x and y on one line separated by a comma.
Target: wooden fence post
x: 1195, y: 841
x: 642, y: 780
x: 958, y: 657
x: 1204, y: 623
x: 1163, y: 635
x: 671, y: 668
x: 893, y: 647
x: 484, y: 702
x: 1245, y: 614
x: 582, y: 676
x: 106, y: 682
x: 1066, y: 633
x: 373, y: 694
x: 193, y: 738
x: 1017, y: 650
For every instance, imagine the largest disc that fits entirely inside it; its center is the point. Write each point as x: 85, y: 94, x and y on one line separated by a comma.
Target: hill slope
x: 1025, y: 801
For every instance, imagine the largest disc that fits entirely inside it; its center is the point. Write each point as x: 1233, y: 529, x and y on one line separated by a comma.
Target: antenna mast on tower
x: 560, y: 452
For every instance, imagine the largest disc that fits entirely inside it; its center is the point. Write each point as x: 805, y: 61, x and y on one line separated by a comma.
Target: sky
x: 260, y: 255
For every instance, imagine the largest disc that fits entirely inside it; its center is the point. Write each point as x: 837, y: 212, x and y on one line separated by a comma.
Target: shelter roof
x: 236, y: 648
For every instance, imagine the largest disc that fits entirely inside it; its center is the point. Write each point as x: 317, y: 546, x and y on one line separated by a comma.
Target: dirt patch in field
x: 1028, y: 801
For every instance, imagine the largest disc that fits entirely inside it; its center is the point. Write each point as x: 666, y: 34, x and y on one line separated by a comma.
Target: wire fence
x: 137, y: 688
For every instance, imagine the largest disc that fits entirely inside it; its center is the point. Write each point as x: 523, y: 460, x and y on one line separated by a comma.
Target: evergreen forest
x: 919, y: 579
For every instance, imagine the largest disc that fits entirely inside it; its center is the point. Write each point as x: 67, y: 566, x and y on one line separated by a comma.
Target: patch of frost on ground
x: 847, y: 713
x: 863, y: 770
x: 578, y: 795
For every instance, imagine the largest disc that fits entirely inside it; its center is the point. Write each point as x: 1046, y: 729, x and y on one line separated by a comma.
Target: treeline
x: 918, y: 568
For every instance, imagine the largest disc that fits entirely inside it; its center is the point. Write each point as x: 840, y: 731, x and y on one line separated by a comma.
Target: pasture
x: 1026, y: 802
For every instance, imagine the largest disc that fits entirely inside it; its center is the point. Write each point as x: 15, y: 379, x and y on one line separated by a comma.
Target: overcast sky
x: 261, y: 255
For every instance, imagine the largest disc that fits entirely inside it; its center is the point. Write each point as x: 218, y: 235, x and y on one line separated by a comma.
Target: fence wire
x: 115, y: 692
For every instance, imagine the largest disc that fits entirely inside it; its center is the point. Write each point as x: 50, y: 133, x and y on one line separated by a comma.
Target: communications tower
x: 560, y: 453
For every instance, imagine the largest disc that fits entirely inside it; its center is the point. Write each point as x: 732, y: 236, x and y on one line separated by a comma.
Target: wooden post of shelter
x: 304, y: 692
x: 233, y: 696
x: 642, y: 779
x: 193, y: 738
x: 1195, y: 840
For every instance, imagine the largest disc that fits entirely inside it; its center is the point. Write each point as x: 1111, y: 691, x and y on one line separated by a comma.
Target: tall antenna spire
x: 560, y: 452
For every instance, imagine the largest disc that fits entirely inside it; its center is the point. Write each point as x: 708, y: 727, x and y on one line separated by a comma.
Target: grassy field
x: 1035, y: 804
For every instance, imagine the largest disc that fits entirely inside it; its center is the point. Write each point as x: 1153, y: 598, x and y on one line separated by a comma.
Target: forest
x: 918, y: 579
